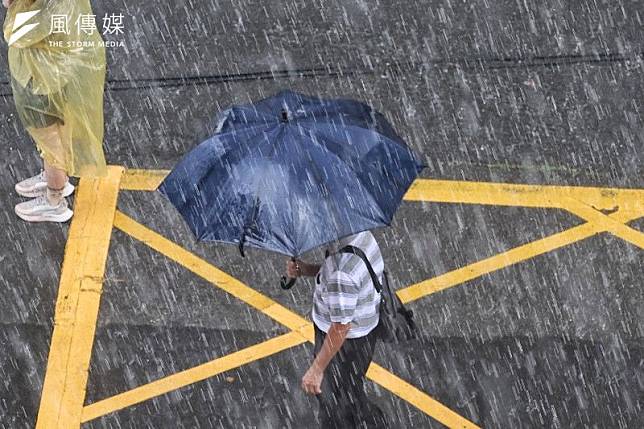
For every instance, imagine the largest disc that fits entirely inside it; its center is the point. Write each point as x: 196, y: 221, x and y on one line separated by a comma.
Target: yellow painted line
x: 418, y: 398
x: 461, y: 192
x: 606, y: 222
x: 279, y: 313
x: 210, y: 273
x: 81, y: 283
x: 505, y: 259
x: 67, y: 375
x: 422, y: 190
x: 142, y: 180
x: 191, y: 376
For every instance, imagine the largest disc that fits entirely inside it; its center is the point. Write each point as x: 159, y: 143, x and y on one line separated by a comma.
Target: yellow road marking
x: 630, y: 203
x: 462, y: 192
x: 447, y: 191
x: 505, y: 259
x: 191, y: 376
x: 77, y: 306
x: 606, y: 222
x: 496, y: 262
x: 293, y: 321
x: 142, y: 180
x: 505, y: 194
x: 208, y: 272
x: 418, y: 398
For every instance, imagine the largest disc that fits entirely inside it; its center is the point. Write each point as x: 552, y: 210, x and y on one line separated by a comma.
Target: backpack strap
x: 359, y: 253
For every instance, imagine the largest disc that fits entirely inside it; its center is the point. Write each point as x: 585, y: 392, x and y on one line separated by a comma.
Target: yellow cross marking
x: 505, y: 259
x: 82, y: 277
x: 298, y: 325
x: 606, y: 223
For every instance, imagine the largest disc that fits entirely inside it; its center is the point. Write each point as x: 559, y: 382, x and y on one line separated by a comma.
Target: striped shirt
x: 344, y: 292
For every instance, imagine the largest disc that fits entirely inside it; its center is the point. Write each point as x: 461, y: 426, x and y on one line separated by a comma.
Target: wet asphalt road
x: 537, y: 92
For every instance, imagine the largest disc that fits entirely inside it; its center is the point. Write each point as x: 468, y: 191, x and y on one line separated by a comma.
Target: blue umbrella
x: 291, y: 173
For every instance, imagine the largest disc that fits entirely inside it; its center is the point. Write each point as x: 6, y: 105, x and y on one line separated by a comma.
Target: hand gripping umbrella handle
x: 286, y: 283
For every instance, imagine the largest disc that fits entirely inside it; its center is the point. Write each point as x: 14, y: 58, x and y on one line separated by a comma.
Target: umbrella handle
x: 287, y: 283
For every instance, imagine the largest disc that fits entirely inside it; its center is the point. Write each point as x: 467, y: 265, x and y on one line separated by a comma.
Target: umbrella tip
x: 284, y: 115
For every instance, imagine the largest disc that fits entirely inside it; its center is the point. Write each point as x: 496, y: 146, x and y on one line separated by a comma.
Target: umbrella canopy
x: 291, y: 173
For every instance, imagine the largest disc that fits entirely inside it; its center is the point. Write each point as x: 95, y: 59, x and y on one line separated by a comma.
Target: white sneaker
x: 37, y: 187
x: 39, y: 210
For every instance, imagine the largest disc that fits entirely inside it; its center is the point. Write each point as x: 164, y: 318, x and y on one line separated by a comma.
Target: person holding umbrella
x: 345, y: 315
x: 292, y: 173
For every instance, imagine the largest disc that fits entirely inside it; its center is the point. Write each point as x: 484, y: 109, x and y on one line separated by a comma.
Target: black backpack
x: 396, y: 322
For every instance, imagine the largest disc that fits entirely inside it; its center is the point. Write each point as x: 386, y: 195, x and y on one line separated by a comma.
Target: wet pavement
x: 539, y: 93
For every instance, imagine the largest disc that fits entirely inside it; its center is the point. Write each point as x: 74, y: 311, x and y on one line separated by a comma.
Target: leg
x: 53, y: 206
x: 358, y: 355
x: 56, y: 177
x: 56, y: 181
x: 343, y: 402
x: 333, y: 411
x: 53, y: 178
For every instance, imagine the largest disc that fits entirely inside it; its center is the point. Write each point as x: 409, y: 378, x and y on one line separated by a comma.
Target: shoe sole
x: 61, y: 218
x: 69, y: 189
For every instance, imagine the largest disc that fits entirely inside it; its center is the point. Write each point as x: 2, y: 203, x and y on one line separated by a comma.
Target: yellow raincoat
x: 58, y: 77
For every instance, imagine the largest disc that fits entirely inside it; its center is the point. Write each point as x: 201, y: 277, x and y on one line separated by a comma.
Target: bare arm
x: 312, y: 380
x: 295, y: 269
x: 332, y: 343
x: 342, y: 291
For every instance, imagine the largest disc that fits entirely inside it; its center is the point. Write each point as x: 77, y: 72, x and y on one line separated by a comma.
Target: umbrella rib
x: 318, y: 176
x: 399, y: 146
x: 294, y: 241
x: 282, y: 131
x: 359, y: 180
